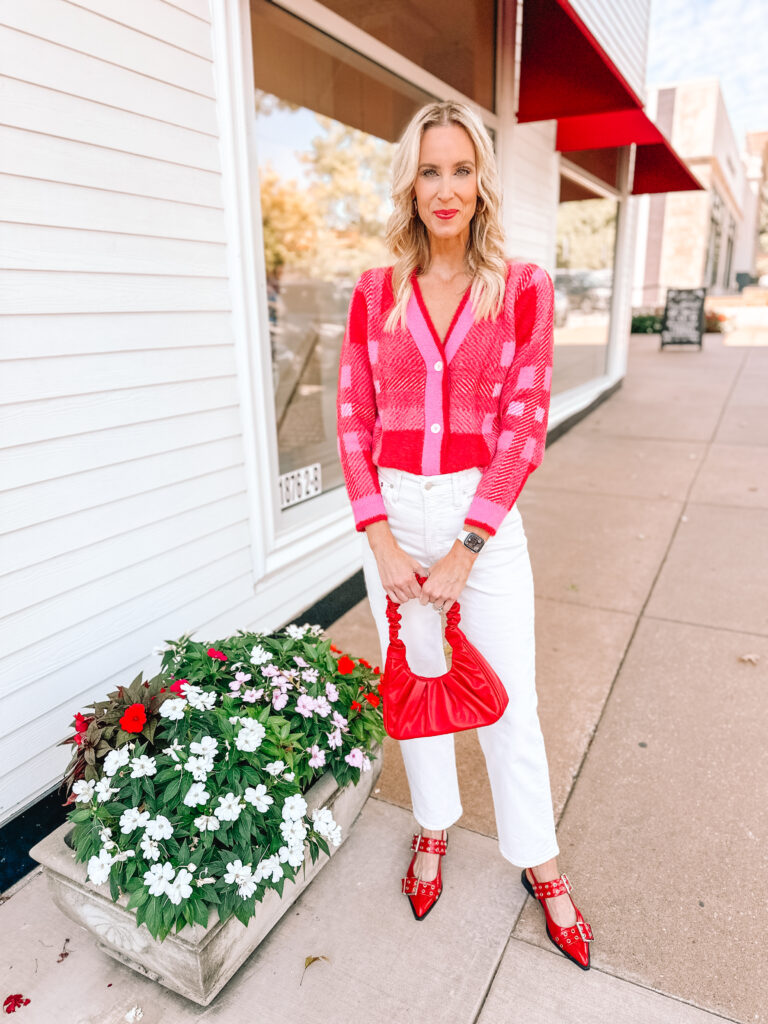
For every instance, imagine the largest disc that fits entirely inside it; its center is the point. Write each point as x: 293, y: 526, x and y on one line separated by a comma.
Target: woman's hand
x: 397, y: 569
x: 447, y: 577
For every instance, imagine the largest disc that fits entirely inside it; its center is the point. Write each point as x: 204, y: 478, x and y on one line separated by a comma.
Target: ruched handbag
x: 467, y: 696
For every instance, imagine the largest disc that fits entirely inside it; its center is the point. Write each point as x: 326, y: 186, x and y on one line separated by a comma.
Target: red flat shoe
x: 574, y: 940
x: 423, y: 895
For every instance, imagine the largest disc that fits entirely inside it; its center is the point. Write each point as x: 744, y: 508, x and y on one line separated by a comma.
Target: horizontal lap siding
x: 621, y: 28
x: 123, y: 498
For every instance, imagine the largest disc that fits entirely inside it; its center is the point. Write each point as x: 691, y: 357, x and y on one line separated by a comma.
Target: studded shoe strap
x: 425, y: 844
x: 544, y: 890
x: 413, y: 886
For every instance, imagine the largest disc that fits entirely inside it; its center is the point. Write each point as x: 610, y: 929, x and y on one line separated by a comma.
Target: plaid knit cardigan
x: 410, y: 400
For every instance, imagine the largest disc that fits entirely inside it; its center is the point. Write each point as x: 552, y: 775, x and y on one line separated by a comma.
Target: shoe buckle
x: 566, y: 883
x: 584, y: 930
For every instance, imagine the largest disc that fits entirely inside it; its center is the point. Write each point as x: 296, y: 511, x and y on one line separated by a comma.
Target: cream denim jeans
x: 425, y: 515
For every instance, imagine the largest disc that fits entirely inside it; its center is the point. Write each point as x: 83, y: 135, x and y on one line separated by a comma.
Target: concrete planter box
x: 197, y: 962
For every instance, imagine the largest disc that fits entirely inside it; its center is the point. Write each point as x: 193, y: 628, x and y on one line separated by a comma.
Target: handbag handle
x: 453, y: 616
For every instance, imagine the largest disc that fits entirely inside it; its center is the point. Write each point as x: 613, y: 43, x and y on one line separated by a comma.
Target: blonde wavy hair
x: 406, y: 234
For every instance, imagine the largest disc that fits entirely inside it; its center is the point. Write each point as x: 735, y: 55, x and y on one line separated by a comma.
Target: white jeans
x: 425, y: 515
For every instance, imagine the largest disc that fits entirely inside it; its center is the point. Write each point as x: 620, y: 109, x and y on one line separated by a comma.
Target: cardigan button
x: 435, y: 428
x: 439, y: 364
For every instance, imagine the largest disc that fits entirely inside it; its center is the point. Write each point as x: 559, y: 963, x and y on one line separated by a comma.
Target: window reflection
x: 325, y: 135
x: 586, y: 237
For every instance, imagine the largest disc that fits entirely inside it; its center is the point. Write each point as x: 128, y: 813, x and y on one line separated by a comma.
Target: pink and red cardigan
x: 480, y: 398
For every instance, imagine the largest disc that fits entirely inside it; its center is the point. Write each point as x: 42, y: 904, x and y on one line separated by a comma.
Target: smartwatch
x: 470, y: 540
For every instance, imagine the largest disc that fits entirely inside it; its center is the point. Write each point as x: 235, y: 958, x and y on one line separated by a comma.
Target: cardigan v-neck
x: 428, y: 319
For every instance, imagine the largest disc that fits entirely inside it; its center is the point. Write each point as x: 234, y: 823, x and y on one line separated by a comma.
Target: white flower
x: 293, y: 854
x: 250, y: 736
x: 135, y: 1013
x: 207, y: 822
x: 115, y: 760
x: 159, y: 828
x: 294, y: 832
x: 98, y: 867
x: 207, y: 746
x: 295, y: 807
x: 259, y: 656
x: 103, y: 790
x: 229, y: 807
x: 289, y: 776
x: 271, y: 866
x: 325, y: 826
x: 237, y: 872
x: 259, y: 797
x: 133, y: 818
x: 199, y: 699
x: 275, y: 767
x: 105, y: 835
x: 247, y: 888
x: 199, y: 767
x: 173, y: 750
x: 123, y: 855
x: 150, y: 848
x: 173, y: 708
x: 196, y: 794
x: 158, y: 877
x: 296, y: 632
x: 143, y: 765
x: 205, y: 881
x: 84, y: 791
x: 179, y: 888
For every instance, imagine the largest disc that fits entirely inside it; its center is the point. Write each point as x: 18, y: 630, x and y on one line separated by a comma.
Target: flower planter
x: 197, y: 962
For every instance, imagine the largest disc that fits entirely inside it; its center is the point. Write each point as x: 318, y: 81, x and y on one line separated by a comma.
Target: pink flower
x: 317, y: 760
x: 334, y: 738
x: 251, y: 696
x: 339, y: 720
x: 279, y: 699
x: 331, y: 692
x: 305, y: 705
x: 355, y: 757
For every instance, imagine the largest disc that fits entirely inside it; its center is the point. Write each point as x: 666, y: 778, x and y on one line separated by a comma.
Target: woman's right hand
x: 397, y: 569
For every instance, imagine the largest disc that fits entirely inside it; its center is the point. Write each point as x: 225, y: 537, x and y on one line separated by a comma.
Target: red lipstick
x: 445, y: 214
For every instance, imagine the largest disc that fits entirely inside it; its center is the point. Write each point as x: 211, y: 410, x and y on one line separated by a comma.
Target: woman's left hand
x: 447, y: 577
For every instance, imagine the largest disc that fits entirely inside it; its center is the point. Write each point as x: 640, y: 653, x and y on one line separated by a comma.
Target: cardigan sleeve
x: 356, y: 416
x: 524, y: 404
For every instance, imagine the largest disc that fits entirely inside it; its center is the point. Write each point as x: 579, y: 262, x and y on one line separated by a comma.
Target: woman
x: 443, y: 400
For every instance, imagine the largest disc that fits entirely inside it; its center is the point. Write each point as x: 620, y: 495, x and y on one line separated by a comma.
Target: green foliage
x: 137, y: 813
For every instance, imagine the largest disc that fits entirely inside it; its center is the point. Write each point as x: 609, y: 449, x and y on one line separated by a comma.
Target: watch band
x: 471, y: 540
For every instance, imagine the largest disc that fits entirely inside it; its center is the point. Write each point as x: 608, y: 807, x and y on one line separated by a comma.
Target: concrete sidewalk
x: 648, y: 530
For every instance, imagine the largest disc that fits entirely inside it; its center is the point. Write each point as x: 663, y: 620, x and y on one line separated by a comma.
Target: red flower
x: 345, y: 665
x: 361, y: 687
x: 213, y: 653
x: 77, y: 738
x: 176, y: 687
x: 335, y: 648
x: 364, y: 662
x: 80, y: 723
x: 356, y: 705
x: 12, y: 1003
x: 373, y: 699
x: 377, y: 670
x: 134, y: 718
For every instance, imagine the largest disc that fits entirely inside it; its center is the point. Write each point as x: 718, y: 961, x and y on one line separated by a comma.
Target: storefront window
x: 586, y: 238
x: 326, y: 121
x: 453, y: 40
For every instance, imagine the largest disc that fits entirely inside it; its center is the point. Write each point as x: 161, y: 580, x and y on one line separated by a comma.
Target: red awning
x: 658, y: 168
x: 564, y: 70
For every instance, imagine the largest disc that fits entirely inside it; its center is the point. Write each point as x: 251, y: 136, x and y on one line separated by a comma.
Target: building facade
x: 699, y: 238
x: 190, y: 190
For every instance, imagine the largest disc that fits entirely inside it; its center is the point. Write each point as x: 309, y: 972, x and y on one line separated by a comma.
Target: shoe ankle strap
x: 556, y: 887
x: 425, y: 844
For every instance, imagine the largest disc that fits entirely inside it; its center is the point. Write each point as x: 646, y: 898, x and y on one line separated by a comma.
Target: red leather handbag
x: 467, y: 696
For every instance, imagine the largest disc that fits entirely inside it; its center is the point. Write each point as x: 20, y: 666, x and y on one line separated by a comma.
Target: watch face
x: 473, y: 541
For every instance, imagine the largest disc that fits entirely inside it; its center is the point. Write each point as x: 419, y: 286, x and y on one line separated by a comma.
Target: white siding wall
x: 531, y: 184
x: 621, y: 28
x: 124, y: 515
